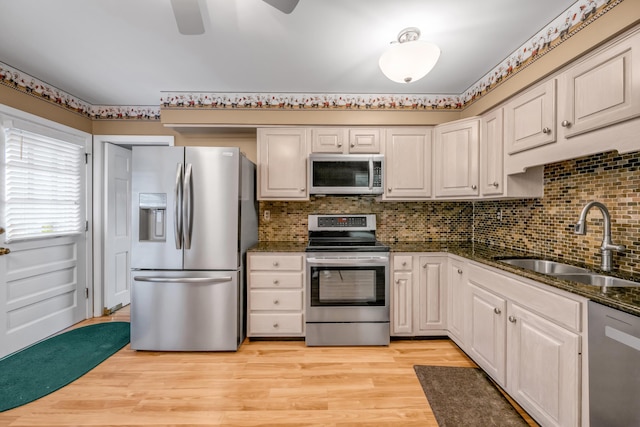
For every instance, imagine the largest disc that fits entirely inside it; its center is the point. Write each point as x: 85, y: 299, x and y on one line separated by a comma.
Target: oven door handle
x: 346, y: 261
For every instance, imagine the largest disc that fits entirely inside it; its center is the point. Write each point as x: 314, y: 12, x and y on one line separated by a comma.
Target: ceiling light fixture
x: 409, y: 59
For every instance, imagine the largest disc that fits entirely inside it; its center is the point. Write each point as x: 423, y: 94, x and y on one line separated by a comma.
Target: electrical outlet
x: 266, y: 215
x: 499, y: 215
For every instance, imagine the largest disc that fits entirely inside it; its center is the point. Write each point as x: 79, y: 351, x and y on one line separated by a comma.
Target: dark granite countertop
x: 626, y: 299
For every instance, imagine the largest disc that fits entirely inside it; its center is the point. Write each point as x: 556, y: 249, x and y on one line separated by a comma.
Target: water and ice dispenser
x: 153, y: 217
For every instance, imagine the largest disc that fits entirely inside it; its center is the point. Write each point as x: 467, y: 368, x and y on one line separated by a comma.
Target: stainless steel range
x: 347, y: 299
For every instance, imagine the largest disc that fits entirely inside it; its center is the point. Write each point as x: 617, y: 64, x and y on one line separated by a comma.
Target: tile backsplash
x: 541, y: 226
x: 545, y: 226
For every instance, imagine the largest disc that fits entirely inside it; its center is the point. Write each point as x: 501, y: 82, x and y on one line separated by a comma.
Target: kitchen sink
x: 598, y: 280
x: 544, y: 266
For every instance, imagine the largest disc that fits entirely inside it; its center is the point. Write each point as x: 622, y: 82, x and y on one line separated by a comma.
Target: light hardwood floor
x: 265, y: 383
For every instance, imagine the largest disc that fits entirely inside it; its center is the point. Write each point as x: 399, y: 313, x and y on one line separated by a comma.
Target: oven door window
x: 347, y: 286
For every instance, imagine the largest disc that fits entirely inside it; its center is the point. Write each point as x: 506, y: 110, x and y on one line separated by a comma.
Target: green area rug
x: 43, y: 368
x: 465, y: 397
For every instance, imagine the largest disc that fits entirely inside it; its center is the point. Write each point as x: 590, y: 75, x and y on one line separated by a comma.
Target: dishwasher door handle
x: 622, y: 337
x: 183, y: 279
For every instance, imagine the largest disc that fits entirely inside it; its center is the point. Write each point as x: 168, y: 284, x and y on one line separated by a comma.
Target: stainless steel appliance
x: 347, y: 300
x: 194, y: 217
x: 346, y: 173
x: 614, y: 367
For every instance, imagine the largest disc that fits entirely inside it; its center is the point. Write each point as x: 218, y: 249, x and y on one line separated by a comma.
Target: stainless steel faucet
x: 607, y: 247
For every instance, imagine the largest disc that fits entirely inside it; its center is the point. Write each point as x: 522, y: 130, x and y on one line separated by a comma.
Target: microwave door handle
x: 370, y: 173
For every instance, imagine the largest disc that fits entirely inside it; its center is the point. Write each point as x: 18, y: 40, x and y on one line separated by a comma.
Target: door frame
x: 98, y: 291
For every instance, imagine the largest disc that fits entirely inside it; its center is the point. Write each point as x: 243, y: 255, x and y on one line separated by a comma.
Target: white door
x: 43, y: 280
x: 117, y: 190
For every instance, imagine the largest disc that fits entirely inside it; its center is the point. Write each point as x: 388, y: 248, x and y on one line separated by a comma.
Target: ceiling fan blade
x: 284, y: 6
x: 188, y: 17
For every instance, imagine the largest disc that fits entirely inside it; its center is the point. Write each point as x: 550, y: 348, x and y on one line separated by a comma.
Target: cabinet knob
x: 276, y: 326
x: 389, y: 189
x: 459, y: 271
x: 397, y: 281
x: 1, y: 230
x: 275, y: 263
x: 276, y: 302
x: 495, y: 184
x: 353, y: 145
x: 473, y: 187
x: 5, y: 251
x: 566, y: 124
x: 425, y: 266
x: 496, y: 310
x: 302, y: 190
x: 276, y: 282
x: 546, y: 131
x: 512, y: 319
x: 404, y: 263
x: 339, y: 144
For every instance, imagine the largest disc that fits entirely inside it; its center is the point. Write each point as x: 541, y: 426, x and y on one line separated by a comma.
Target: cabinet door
x: 282, y: 160
x: 601, y: 90
x: 408, y: 163
x: 492, y: 154
x: 456, y: 301
x: 328, y: 140
x: 401, y: 320
x: 430, y: 299
x: 543, y: 368
x: 364, y: 140
x: 456, y: 158
x: 530, y: 119
x: 486, y: 337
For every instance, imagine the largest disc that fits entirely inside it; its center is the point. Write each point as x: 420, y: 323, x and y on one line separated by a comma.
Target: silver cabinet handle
x: 512, y: 319
x: 566, y: 124
x: 459, y: 271
x: 495, y: 184
x: 496, y: 310
x: 546, y: 131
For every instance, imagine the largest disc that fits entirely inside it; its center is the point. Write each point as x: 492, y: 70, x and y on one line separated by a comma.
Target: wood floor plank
x: 264, y: 383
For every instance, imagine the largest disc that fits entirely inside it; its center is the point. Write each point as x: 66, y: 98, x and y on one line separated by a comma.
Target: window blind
x: 43, y: 185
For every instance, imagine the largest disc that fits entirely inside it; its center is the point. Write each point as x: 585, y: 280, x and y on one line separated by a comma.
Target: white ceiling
x: 126, y: 52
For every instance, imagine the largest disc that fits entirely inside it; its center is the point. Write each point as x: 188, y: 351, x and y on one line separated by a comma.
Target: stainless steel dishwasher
x: 614, y: 367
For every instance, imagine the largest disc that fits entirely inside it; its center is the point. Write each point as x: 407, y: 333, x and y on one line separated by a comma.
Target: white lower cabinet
x: 528, y: 340
x: 457, y: 300
x: 418, y: 296
x: 275, y: 302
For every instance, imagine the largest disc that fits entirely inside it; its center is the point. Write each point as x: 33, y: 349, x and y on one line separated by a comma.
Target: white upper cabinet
x: 282, y: 164
x: 456, y: 158
x: 407, y: 163
x: 601, y: 90
x: 345, y: 140
x: 492, y: 154
x: 530, y: 118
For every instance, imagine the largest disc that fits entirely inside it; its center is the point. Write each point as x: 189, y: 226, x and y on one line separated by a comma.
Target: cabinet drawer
x: 276, y: 262
x: 276, y: 300
x: 275, y: 280
x: 275, y: 324
x: 402, y: 262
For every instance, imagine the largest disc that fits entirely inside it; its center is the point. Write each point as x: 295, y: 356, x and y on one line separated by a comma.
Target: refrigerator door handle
x: 183, y: 279
x: 177, y: 204
x: 187, y: 207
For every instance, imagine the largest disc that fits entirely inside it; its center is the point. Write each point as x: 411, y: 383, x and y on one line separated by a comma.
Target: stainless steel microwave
x: 346, y: 173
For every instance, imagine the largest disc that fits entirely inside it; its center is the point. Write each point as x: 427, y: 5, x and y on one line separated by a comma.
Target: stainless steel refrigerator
x: 194, y: 217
